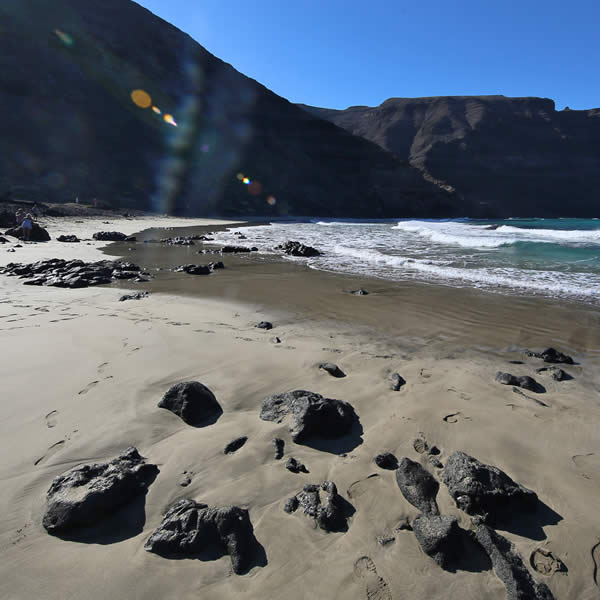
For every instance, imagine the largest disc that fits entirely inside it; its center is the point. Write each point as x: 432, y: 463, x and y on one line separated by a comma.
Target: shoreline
x: 83, y: 374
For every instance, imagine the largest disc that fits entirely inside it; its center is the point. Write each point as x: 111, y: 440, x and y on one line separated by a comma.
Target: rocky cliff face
x: 70, y: 127
x: 502, y: 156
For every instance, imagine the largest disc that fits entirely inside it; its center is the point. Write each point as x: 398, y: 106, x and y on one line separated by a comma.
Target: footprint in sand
x: 102, y: 367
x: 455, y: 417
x: 376, y: 586
x: 88, y: 387
x: 50, y: 452
x: 359, y: 487
x: 51, y: 418
x: 588, y: 465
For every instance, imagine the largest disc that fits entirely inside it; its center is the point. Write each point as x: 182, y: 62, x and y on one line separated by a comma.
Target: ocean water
x: 549, y: 257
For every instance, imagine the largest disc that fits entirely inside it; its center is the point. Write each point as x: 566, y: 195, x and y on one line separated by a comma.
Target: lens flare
x: 246, y: 181
x: 65, y: 38
x: 170, y: 120
x: 240, y: 176
x: 156, y: 110
x: 271, y: 200
x: 141, y: 98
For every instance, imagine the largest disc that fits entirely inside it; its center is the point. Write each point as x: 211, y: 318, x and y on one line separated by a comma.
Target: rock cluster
x: 136, y: 296
x: 295, y: 466
x: 555, y: 372
x: 71, y: 273
x: 191, y: 401
x: 298, y: 249
x: 189, y: 528
x: 312, y: 415
x: 67, y: 238
x: 85, y: 494
x: 236, y: 249
x: 330, y: 514
x: 109, y: 236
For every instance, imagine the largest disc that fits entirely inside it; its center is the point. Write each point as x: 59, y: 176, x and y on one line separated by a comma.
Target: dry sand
x: 82, y: 375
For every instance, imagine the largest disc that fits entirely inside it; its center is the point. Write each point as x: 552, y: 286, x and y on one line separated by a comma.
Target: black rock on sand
x: 417, y: 486
x: 87, y: 493
x: 193, y: 402
x: 439, y: 537
x: 190, y: 528
x: 311, y: 414
x: 483, y: 490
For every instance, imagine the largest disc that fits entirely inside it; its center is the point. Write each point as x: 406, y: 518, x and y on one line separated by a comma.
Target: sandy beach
x: 83, y: 373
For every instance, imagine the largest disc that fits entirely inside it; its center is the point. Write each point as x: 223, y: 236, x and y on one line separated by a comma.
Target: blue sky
x: 340, y: 53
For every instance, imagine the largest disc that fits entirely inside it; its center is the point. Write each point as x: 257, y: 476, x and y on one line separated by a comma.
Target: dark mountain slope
x: 70, y: 128
x: 503, y: 156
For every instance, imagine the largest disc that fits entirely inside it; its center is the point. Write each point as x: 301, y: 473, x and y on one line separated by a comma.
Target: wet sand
x: 83, y: 374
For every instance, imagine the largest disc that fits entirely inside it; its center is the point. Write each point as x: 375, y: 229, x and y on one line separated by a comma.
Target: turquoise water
x: 548, y: 257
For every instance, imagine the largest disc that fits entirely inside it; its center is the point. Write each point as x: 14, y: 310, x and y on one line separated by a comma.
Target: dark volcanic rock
x: 67, y: 238
x: 297, y: 249
x: 190, y: 528
x: 85, y: 494
x: 191, y: 401
x: 215, y: 266
x: 555, y: 372
x: 525, y: 382
x: 330, y: 513
x: 311, y: 414
x: 417, y: 486
x: 386, y: 460
x: 3, y: 240
x: 194, y: 269
x: 484, y: 490
x: 510, y: 568
x: 235, y: 249
x: 109, y: 236
x: 38, y: 234
x: 265, y: 325
x: 439, y: 536
x: 332, y: 369
x: 279, y: 445
x: 397, y: 381
x: 71, y: 273
x: 235, y: 445
x: 550, y: 355
x: 295, y: 466
x: 178, y: 241
x: 359, y: 292
x: 136, y: 296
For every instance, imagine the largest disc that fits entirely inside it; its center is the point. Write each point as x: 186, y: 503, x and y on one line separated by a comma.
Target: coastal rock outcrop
x: 509, y: 567
x: 194, y: 269
x: 524, y: 381
x: 311, y: 414
x: 293, y: 248
x: 38, y: 234
x: 109, y: 236
x: 484, y: 490
x: 87, y: 493
x: 193, y: 402
x: 189, y: 528
x: 330, y: 513
x: 235, y: 249
x: 71, y: 273
x: 439, y: 537
x: 418, y: 486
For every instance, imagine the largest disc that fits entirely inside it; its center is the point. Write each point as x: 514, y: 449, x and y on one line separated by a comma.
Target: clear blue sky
x: 339, y: 53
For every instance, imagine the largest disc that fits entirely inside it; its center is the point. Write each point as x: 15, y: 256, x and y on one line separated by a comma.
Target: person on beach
x: 18, y: 217
x: 34, y: 210
x: 27, y: 226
